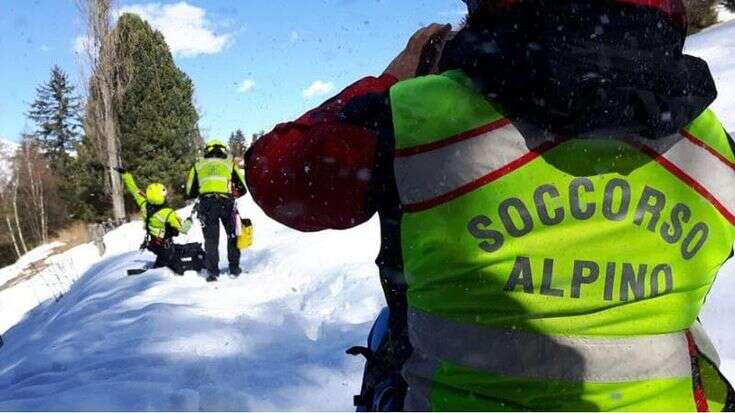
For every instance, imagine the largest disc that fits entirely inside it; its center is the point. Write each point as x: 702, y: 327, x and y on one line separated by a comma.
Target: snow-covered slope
x: 7, y: 149
x: 38, y: 276
x: 716, y: 45
x: 271, y: 340
x: 723, y: 14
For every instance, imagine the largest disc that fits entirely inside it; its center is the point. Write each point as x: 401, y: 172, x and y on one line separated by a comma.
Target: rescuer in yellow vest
x: 162, y: 224
x: 217, y: 181
x: 555, y: 201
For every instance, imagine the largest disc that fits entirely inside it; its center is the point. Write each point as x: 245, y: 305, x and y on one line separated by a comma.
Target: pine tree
x: 155, y: 115
x: 56, y: 112
x: 729, y: 4
x: 238, y: 144
x: 256, y: 136
x: 89, y: 202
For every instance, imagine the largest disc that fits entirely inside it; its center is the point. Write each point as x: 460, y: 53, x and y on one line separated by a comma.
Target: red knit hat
x: 674, y: 8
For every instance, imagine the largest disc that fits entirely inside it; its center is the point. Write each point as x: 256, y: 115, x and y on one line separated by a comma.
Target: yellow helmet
x: 213, y: 144
x: 156, y: 194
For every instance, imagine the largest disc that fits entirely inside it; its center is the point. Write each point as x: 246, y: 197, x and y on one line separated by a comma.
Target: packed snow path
x: 274, y: 339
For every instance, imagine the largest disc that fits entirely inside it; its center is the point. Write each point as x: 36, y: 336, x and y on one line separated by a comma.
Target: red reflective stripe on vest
x: 700, y: 398
x: 492, y: 176
x: 454, y: 139
x: 693, y: 139
x: 686, y: 178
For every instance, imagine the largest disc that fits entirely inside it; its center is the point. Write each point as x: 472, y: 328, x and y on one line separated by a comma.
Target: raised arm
x: 316, y: 173
x: 133, y: 189
x: 327, y: 169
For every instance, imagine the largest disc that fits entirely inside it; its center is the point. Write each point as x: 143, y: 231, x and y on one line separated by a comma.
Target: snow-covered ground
x: 716, y: 45
x: 39, y: 276
x: 723, y: 14
x: 274, y: 339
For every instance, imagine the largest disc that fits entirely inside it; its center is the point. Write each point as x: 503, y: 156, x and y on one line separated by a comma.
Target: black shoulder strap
x: 149, y: 211
x: 168, y: 216
x: 146, y: 223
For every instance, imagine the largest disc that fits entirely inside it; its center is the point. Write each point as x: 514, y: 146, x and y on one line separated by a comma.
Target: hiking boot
x: 212, y: 278
x: 235, y: 271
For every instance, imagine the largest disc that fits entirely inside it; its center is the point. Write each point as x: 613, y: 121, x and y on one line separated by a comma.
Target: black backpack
x: 186, y: 257
x: 383, y: 388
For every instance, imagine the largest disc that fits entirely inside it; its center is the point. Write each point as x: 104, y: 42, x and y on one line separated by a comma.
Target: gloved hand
x: 426, y: 43
x: 119, y: 169
x: 186, y: 225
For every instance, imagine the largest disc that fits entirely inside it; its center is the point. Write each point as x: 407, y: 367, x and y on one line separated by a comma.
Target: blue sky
x: 253, y: 63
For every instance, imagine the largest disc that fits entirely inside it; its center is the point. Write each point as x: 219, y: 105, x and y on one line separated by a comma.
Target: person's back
x: 162, y: 224
x: 161, y: 221
x: 217, y: 181
x: 562, y: 270
x: 565, y: 201
x: 214, y: 176
x: 568, y: 268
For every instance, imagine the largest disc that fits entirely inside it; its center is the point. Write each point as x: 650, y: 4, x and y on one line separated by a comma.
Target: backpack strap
x: 168, y: 216
x: 149, y: 211
x: 168, y: 228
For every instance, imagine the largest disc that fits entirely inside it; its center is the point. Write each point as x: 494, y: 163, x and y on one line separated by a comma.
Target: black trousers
x: 162, y: 248
x: 177, y: 257
x: 212, y: 211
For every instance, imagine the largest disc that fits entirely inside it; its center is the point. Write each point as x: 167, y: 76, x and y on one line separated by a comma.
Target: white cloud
x: 318, y: 88
x: 246, y: 86
x: 81, y: 44
x: 294, y: 36
x: 44, y: 48
x: 186, y: 28
x: 458, y: 12
x: 7, y: 149
x: 8, y: 143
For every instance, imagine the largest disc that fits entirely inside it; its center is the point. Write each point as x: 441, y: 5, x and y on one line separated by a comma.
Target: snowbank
x: 716, y: 45
x: 723, y: 14
x: 37, y: 277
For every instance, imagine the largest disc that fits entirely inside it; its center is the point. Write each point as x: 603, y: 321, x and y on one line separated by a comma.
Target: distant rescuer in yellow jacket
x: 555, y: 201
x: 217, y: 181
x: 162, y: 224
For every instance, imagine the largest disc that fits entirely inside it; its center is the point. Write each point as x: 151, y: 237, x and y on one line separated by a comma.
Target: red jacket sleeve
x: 316, y: 173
